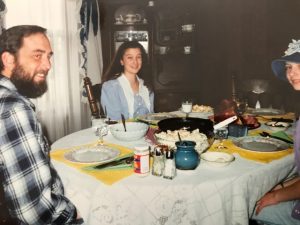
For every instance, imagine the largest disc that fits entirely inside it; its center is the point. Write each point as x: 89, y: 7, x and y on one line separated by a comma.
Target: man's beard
x: 25, y: 83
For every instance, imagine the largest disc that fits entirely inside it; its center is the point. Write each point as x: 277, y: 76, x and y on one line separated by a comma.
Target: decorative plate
x: 265, y: 111
x: 93, y: 154
x: 260, y: 144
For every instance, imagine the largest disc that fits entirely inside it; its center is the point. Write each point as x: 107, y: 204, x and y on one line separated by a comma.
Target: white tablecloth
x: 206, y: 196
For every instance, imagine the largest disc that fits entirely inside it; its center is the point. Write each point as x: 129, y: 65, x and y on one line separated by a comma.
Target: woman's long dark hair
x: 116, y: 69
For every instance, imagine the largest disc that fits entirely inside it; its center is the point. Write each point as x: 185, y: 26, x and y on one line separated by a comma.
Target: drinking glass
x: 221, y: 134
x: 101, y: 132
x: 187, y: 107
x: 241, y: 106
x: 100, y: 127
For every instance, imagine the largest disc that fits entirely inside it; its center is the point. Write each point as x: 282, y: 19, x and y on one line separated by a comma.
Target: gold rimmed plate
x: 93, y: 154
x: 265, y: 111
x: 260, y: 144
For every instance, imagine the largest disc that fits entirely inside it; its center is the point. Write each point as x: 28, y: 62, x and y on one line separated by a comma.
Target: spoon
x: 181, y: 142
x: 225, y: 122
x: 179, y: 137
x: 123, y: 121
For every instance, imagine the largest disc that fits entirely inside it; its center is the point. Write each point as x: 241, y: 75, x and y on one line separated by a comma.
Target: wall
x: 239, y: 37
x: 242, y: 38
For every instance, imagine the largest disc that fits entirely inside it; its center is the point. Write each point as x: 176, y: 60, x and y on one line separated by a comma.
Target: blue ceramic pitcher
x: 186, y: 157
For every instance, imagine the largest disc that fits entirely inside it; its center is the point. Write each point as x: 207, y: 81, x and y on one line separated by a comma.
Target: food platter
x: 169, y: 138
x: 260, y: 144
x: 93, y: 154
x: 154, y: 118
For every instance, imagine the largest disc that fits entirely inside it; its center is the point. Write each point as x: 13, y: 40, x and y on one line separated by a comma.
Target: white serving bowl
x: 135, y: 131
x: 217, y: 159
x: 277, y: 126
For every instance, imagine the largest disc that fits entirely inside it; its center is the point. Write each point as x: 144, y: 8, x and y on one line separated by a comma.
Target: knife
x: 266, y: 134
x: 126, y: 161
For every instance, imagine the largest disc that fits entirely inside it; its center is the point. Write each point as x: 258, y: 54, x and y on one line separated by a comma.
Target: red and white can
x: 141, y: 160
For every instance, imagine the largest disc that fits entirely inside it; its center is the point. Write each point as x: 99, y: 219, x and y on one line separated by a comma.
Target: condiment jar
x: 141, y: 160
x: 170, y: 168
x: 186, y: 157
x: 158, y: 161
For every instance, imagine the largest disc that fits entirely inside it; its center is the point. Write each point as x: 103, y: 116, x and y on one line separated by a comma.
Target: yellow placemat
x: 106, y: 176
x: 264, y: 157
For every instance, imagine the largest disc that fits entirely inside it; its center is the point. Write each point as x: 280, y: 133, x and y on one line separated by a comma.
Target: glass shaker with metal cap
x: 170, y: 167
x: 158, y: 161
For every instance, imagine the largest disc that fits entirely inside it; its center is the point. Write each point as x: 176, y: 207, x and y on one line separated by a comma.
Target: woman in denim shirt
x: 282, y: 204
x: 127, y: 87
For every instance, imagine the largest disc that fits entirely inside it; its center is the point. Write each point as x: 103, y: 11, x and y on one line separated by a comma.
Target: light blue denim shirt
x: 114, y: 100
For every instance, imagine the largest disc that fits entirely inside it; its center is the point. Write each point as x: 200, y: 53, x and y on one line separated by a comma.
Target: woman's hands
x: 266, y: 200
x: 289, y: 190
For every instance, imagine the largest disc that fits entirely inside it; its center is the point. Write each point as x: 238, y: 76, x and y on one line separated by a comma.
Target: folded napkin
x: 263, y: 157
x: 107, y: 176
x: 283, y: 135
x: 150, y: 138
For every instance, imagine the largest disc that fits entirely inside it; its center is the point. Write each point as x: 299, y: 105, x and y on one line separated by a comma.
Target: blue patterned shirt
x: 33, y: 189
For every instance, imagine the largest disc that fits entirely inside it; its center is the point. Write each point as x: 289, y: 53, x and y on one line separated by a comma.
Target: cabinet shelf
x: 131, y: 24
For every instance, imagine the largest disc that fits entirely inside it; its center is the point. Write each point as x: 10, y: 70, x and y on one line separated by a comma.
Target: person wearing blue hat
x: 282, y: 204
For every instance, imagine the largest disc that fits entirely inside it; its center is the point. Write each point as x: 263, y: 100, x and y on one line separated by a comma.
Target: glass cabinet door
x: 142, y: 36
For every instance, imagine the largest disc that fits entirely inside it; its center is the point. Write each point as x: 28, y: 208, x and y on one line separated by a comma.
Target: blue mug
x: 186, y: 157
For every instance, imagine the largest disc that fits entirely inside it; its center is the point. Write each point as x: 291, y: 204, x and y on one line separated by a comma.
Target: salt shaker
x: 158, y: 162
x: 170, y: 168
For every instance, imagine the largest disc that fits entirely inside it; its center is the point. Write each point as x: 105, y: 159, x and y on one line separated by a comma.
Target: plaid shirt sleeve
x: 33, y: 189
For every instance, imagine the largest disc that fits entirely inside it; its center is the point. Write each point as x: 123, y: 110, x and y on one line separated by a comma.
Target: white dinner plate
x: 265, y: 111
x: 93, y: 154
x: 154, y: 118
x: 260, y: 144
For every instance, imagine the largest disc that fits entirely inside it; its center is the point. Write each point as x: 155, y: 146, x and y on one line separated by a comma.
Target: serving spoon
x: 225, y: 122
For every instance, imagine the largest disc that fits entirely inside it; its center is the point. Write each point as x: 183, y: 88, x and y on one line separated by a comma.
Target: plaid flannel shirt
x: 33, y: 189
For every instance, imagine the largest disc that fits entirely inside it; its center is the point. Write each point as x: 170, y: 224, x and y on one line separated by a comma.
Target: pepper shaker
x: 158, y: 162
x: 170, y: 168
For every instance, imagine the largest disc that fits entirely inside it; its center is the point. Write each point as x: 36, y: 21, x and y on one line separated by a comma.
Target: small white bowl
x: 135, y: 131
x: 277, y: 126
x: 217, y: 159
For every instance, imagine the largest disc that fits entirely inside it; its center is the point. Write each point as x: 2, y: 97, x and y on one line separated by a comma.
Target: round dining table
x: 207, y: 195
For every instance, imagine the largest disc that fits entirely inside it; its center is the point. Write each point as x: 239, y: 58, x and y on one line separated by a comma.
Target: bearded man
x: 32, y: 191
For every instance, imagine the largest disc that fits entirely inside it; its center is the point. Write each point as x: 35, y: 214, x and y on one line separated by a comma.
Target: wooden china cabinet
x: 167, y: 30
x: 124, y: 21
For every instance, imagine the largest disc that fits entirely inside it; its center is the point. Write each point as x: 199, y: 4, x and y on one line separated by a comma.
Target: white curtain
x: 60, y: 110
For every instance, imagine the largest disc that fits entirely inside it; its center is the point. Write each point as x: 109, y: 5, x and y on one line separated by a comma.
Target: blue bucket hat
x: 292, y: 54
